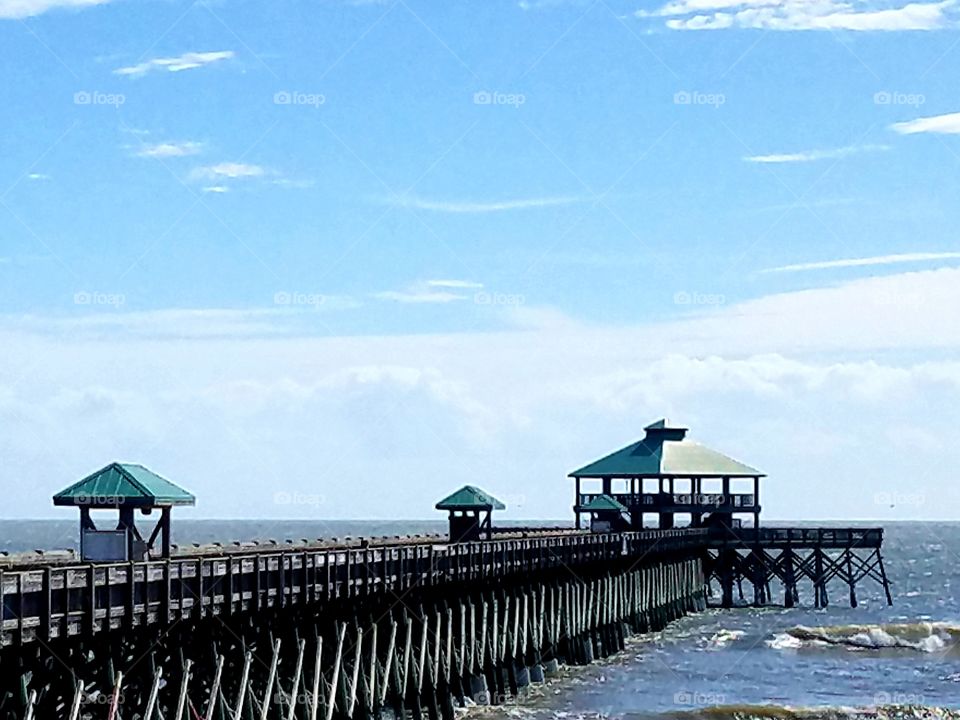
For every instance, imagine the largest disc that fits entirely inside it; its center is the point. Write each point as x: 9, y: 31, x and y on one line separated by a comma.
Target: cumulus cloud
x: 187, y: 61
x: 938, y: 124
x: 799, y: 15
x: 809, y: 386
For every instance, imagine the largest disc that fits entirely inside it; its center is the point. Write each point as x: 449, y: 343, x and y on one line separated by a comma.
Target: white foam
x: 784, y: 641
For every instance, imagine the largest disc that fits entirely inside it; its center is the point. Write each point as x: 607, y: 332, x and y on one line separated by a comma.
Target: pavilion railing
x: 680, y: 502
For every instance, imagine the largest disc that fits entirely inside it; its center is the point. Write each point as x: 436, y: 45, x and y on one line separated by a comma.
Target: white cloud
x: 866, y: 261
x: 187, y: 61
x: 431, y: 292
x: 19, y: 9
x: 449, y: 206
x: 800, y: 384
x: 813, y: 155
x: 170, y: 149
x: 38, y: 176
x: 414, y: 296
x: 940, y: 124
x: 229, y: 170
x: 459, y: 284
x: 798, y: 15
x: 216, y: 189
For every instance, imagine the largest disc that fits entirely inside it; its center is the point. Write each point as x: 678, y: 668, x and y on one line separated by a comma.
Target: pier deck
x: 59, y: 601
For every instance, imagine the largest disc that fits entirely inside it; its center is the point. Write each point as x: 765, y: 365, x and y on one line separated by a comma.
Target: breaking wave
x: 928, y: 637
x: 783, y: 712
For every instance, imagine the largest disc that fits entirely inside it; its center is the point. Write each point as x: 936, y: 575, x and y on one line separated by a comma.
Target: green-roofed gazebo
x: 470, y: 510
x: 666, y: 458
x: 606, y: 514
x: 125, y: 487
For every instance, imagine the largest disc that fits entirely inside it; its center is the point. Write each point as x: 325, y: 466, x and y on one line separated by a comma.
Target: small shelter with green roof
x: 124, y: 487
x: 606, y: 514
x: 470, y: 510
x: 666, y: 474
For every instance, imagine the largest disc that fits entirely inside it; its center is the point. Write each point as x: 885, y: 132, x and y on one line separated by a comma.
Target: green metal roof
x: 665, y: 452
x: 603, y: 502
x: 470, y: 498
x: 124, y: 484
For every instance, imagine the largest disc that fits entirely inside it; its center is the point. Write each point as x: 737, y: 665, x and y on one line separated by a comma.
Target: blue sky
x: 297, y: 246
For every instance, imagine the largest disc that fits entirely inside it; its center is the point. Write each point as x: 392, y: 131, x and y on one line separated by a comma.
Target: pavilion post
x: 576, y: 501
x: 165, y: 532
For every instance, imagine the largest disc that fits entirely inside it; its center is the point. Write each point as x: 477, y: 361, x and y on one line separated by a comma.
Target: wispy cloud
x: 939, y: 124
x: 866, y: 261
x: 460, y: 206
x: 216, y: 189
x: 19, y: 9
x: 229, y: 170
x: 38, y: 176
x: 170, y: 149
x: 798, y: 15
x: 813, y: 155
x: 187, y: 61
x: 458, y: 284
x: 431, y: 291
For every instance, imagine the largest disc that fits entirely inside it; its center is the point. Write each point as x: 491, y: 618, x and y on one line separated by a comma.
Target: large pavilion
x: 665, y: 474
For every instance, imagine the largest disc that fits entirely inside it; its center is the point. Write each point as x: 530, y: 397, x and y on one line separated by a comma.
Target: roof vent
x: 663, y: 430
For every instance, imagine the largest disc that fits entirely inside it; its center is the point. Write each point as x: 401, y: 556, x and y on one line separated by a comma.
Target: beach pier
x: 402, y: 627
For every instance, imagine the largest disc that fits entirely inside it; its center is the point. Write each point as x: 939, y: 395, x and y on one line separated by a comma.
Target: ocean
x: 742, y: 663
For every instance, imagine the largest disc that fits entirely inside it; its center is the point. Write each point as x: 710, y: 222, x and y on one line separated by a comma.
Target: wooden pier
x: 137, y: 629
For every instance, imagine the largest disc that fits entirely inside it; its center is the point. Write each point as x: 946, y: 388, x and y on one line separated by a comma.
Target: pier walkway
x: 45, y: 602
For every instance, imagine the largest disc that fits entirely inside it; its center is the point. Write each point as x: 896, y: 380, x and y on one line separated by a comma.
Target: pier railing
x: 46, y: 603
x: 796, y: 537
x: 679, y: 502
